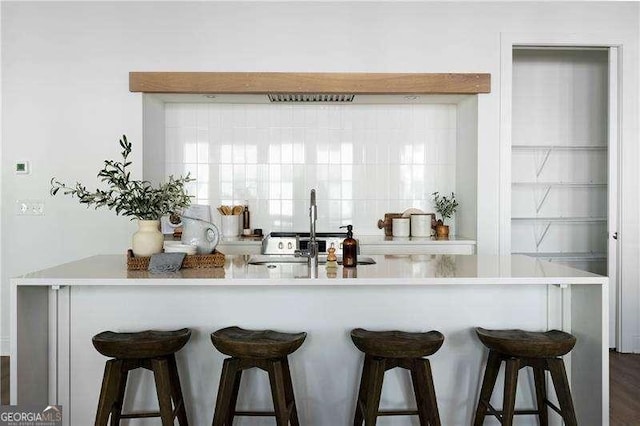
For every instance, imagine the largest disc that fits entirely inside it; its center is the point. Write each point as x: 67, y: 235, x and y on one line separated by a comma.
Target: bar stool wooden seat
x: 519, y: 349
x: 264, y: 349
x: 385, y: 350
x: 152, y: 350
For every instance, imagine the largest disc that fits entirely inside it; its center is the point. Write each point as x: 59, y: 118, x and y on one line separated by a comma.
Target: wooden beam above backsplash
x: 290, y: 82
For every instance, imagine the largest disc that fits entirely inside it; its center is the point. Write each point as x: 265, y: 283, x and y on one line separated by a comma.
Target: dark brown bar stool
x: 385, y: 350
x: 153, y: 350
x: 266, y: 350
x: 519, y: 349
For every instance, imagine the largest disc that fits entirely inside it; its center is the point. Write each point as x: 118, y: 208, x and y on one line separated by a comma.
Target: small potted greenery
x: 446, y: 206
x: 135, y: 198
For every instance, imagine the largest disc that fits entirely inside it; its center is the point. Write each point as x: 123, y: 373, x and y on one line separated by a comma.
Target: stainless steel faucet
x: 311, y: 252
x: 313, y: 216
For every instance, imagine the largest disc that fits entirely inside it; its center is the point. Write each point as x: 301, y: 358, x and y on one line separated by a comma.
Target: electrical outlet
x: 30, y: 208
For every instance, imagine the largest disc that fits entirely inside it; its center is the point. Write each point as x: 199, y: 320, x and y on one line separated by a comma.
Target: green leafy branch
x: 136, y: 198
x: 445, y: 206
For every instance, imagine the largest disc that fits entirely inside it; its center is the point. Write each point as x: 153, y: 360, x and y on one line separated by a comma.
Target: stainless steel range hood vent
x: 311, y: 97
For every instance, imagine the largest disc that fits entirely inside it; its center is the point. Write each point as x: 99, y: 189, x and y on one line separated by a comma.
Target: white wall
x: 4, y: 337
x: 467, y: 222
x: 66, y: 101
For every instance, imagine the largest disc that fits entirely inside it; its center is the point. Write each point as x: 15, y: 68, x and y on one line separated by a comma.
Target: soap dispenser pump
x: 349, y: 249
x: 332, y: 262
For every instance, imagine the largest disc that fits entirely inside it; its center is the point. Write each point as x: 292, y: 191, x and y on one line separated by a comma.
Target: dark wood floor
x: 625, y: 387
x: 4, y: 380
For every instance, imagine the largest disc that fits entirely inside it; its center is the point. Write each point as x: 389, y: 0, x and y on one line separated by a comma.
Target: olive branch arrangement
x: 445, y: 206
x: 136, y: 198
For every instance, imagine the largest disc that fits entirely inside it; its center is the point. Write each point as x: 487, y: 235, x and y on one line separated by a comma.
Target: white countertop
x: 389, y: 270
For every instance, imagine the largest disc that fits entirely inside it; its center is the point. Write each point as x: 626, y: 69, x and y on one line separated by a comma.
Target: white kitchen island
x: 56, y: 311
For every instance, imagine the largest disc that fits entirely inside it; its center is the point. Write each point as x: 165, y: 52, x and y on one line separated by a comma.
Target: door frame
x: 614, y: 204
x: 627, y: 327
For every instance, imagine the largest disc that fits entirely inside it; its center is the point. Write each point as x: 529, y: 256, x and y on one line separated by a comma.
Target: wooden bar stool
x: 266, y: 350
x: 385, y: 350
x: 519, y: 349
x: 153, y: 350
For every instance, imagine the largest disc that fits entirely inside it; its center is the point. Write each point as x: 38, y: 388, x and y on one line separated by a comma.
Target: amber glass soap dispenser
x: 349, y: 249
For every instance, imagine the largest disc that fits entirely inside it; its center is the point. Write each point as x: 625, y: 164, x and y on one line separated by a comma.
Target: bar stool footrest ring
x: 255, y: 413
x: 398, y: 413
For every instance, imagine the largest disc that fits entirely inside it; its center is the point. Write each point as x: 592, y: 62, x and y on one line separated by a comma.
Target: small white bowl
x: 180, y: 248
x: 172, y: 243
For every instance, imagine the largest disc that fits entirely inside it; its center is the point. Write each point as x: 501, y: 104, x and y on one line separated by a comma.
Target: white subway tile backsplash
x: 364, y: 160
x: 202, y: 117
x: 203, y: 171
x: 192, y: 169
x: 173, y: 151
x: 226, y: 173
x: 187, y: 116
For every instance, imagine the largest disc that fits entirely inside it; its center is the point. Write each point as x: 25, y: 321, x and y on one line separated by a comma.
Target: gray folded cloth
x: 166, y: 262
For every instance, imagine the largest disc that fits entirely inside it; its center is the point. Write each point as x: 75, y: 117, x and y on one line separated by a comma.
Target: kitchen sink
x: 264, y: 259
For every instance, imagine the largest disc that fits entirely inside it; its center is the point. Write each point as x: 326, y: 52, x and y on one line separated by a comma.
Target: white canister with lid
x: 400, y: 227
x: 421, y: 225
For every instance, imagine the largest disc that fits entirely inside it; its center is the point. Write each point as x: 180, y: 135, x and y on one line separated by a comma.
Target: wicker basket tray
x: 213, y: 260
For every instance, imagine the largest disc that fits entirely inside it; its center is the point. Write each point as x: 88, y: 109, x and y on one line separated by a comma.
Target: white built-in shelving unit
x: 559, y: 156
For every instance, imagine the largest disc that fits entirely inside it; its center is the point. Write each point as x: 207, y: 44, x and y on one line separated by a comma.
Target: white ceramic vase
x: 148, y: 239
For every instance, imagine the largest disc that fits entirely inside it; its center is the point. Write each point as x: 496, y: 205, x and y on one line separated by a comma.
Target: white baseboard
x: 5, y: 349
